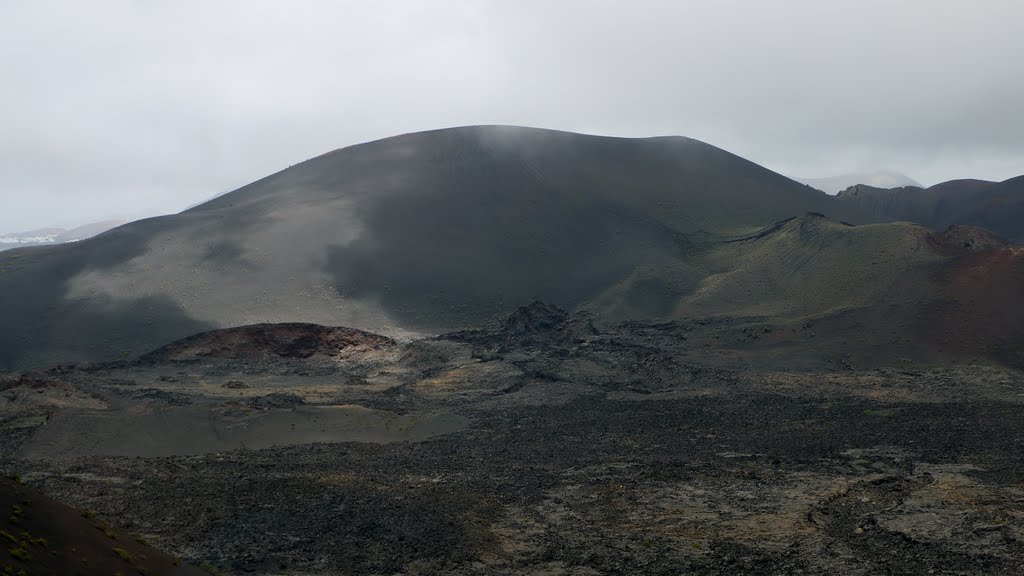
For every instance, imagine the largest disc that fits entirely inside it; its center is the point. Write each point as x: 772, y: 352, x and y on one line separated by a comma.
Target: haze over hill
x: 878, y: 179
x: 435, y: 231
x: 55, y: 235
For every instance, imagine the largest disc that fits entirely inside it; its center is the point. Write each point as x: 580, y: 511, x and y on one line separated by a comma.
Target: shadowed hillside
x: 997, y: 206
x: 45, y: 537
x: 424, y: 232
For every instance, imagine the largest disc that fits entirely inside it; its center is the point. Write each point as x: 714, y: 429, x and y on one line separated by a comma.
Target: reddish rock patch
x: 980, y: 312
x: 262, y: 341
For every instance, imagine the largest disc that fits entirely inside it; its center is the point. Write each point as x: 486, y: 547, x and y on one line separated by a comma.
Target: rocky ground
x: 541, y: 445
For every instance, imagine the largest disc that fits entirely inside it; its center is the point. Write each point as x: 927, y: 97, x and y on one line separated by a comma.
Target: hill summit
x: 437, y: 231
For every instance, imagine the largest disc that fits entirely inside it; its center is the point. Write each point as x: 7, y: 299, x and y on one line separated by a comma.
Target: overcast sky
x: 127, y: 108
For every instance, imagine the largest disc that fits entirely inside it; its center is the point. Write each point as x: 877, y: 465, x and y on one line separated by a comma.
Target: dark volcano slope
x: 997, y: 206
x: 424, y: 232
x: 45, y: 537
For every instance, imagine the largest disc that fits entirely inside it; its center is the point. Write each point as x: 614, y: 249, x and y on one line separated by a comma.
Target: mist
x: 117, y: 108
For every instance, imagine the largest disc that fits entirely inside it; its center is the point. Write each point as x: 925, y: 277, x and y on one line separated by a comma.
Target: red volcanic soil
x: 266, y: 341
x: 981, y: 312
x: 41, y: 536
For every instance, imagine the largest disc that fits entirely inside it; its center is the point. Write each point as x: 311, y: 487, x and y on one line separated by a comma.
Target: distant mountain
x: 44, y: 236
x: 436, y: 231
x: 88, y: 230
x: 30, y: 237
x: 424, y: 232
x: 879, y: 179
x: 997, y: 206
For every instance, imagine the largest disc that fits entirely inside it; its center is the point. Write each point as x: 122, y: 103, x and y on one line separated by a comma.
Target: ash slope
x: 424, y: 232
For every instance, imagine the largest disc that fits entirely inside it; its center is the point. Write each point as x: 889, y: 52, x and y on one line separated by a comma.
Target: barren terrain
x: 549, y: 443
x: 723, y: 371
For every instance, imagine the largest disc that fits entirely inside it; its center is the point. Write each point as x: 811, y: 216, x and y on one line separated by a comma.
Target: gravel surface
x: 582, y: 450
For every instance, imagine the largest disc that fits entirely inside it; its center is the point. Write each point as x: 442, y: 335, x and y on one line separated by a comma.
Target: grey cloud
x: 123, y: 107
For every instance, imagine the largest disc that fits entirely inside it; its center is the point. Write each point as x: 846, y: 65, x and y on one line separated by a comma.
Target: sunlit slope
x: 811, y: 265
x: 875, y: 293
x: 797, y: 267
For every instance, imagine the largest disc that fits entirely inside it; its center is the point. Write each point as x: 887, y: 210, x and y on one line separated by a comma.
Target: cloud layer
x: 119, y: 107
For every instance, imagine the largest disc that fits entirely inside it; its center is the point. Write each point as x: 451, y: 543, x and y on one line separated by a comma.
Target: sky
x: 127, y: 108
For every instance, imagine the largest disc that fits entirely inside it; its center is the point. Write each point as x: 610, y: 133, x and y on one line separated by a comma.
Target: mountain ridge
x: 997, y: 206
x: 414, y: 234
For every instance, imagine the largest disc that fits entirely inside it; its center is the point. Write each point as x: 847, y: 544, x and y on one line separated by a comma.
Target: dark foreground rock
x: 45, y: 537
x: 545, y: 446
